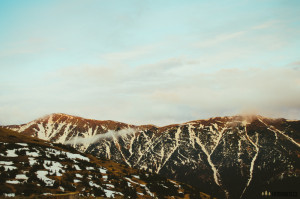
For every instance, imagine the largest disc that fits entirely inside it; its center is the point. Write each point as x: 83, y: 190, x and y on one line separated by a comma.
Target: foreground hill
x: 34, y: 167
x: 229, y: 157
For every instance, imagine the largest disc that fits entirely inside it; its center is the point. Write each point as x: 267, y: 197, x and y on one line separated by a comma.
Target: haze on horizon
x: 142, y: 62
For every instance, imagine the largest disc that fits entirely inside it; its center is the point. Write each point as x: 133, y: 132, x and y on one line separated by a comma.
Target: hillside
x: 33, y: 167
x: 228, y: 157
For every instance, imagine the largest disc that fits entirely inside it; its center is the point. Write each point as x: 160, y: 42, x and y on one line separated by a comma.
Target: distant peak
x: 244, y: 118
x: 61, y: 114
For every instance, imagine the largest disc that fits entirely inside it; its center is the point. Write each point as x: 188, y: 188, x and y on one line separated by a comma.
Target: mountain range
x: 34, y: 168
x: 225, y: 157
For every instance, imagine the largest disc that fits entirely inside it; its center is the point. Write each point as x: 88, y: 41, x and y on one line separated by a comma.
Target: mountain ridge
x: 158, y: 126
x: 199, y: 152
x: 32, y: 167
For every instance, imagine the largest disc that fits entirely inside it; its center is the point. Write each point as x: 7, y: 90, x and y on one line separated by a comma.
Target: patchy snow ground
x: 32, y: 154
x: 42, y: 175
x: 57, y: 168
x: 54, y: 168
x: 32, y: 161
x: 53, y: 151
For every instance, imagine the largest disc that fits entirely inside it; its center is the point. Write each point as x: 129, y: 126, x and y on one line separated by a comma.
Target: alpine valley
x: 224, y: 157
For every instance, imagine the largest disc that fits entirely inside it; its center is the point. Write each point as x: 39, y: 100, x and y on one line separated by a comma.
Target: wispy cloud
x: 265, y: 25
x: 236, y: 89
x: 110, y: 134
x: 130, y: 54
x: 219, y: 39
x: 233, y: 36
x: 168, y: 94
x: 28, y: 46
x: 148, y: 62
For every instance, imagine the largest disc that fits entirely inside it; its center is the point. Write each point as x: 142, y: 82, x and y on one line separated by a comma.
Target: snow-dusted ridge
x: 35, y: 167
x: 204, y: 149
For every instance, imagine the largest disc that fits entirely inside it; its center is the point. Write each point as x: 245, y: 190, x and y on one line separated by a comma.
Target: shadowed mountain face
x: 232, y: 157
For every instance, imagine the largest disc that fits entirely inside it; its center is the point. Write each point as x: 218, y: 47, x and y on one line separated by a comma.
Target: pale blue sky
x: 149, y: 61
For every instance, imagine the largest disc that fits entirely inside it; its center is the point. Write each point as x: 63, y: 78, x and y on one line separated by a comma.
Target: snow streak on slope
x: 215, y: 171
x: 272, y: 128
x: 120, y: 150
x: 172, y: 151
x: 253, y: 160
x: 216, y: 174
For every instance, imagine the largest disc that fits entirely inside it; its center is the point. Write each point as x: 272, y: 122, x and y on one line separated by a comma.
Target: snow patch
x: 22, y: 144
x: 6, y: 162
x: 78, y: 175
x: 92, y: 184
x: 76, y: 156
x: 110, y: 185
x: 42, y: 175
x: 102, y: 170
x: 21, y: 177
x: 135, y: 176
x: 109, y: 193
x: 6, y: 168
x: 32, y: 161
x: 12, y: 182
x: 77, y: 167
x: 104, y: 178
x: 11, y: 153
x: 9, y: 195
x: 32, y: 154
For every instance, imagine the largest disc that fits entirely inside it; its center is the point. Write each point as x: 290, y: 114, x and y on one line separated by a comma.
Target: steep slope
x: 61, y: 127
x: 30, y: 166
x: 232, y: 157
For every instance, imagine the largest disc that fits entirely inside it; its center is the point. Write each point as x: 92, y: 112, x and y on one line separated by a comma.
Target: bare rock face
x: 226, y: 157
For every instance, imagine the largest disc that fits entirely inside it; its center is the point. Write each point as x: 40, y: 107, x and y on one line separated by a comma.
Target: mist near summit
x: 110, y: 134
